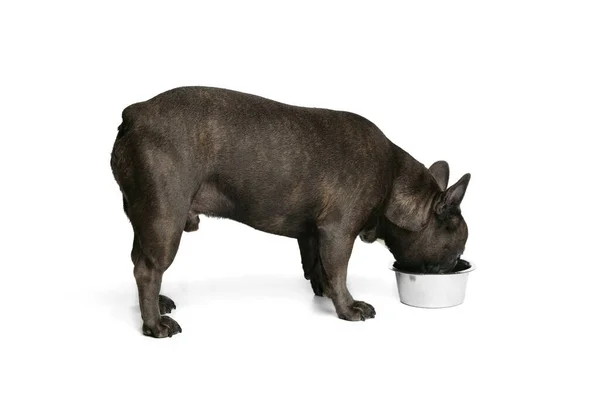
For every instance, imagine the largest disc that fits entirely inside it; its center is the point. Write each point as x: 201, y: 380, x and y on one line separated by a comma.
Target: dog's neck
x: 413, y: 185
x: 414, y: 177
x: 413, y: 181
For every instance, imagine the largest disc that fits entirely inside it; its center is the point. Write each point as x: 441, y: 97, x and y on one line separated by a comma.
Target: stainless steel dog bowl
x: 433, y: 290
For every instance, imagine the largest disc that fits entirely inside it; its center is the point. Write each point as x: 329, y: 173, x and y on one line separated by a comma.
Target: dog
x: 320, y: 176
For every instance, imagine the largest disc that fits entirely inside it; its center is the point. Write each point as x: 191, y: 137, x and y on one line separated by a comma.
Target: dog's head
x: 425, y: 231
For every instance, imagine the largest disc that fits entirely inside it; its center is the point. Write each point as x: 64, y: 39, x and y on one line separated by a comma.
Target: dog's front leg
x: 311, y: 263
x: 335, y: 247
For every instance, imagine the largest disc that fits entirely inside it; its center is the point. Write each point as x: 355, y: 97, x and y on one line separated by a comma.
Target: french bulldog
x: 320, y: 176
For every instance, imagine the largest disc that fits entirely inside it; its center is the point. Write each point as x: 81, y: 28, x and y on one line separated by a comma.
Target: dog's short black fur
x: 320, y: 176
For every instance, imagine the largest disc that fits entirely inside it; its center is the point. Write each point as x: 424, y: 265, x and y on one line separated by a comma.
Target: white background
x: 508, y: 91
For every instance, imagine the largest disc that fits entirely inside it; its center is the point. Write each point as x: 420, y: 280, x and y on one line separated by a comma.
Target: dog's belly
x: 271, y: 214
x: 292, y: 225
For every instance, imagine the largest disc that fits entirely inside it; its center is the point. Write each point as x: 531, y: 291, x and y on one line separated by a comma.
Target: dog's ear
x: 441, y: 172
x: 406, y: 211
x: 454, y: 195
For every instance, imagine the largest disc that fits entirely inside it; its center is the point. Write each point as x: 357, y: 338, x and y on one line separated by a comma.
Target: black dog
x: 323, y: 177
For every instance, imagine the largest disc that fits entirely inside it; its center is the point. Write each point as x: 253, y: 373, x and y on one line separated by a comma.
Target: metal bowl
x: 433, y: 290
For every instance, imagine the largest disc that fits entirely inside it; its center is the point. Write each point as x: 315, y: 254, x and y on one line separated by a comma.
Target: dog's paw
x: 165, y: 304
x: 166, y: 328
x: 357, y: 311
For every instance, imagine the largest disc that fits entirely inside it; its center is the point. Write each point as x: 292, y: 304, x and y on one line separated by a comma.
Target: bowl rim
x: 464, y: 271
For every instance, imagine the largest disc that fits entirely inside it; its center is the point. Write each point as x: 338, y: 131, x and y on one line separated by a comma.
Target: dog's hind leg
x: 165, y: 304
x: 311, y: 263
x: 155, y: 245
x: 154, y: 182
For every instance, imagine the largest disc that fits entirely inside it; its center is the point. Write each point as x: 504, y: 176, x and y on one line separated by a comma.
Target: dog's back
x: 276, y: 167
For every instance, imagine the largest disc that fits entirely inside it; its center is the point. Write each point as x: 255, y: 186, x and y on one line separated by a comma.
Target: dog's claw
x: 166, y: 328
x: 358, y: 311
